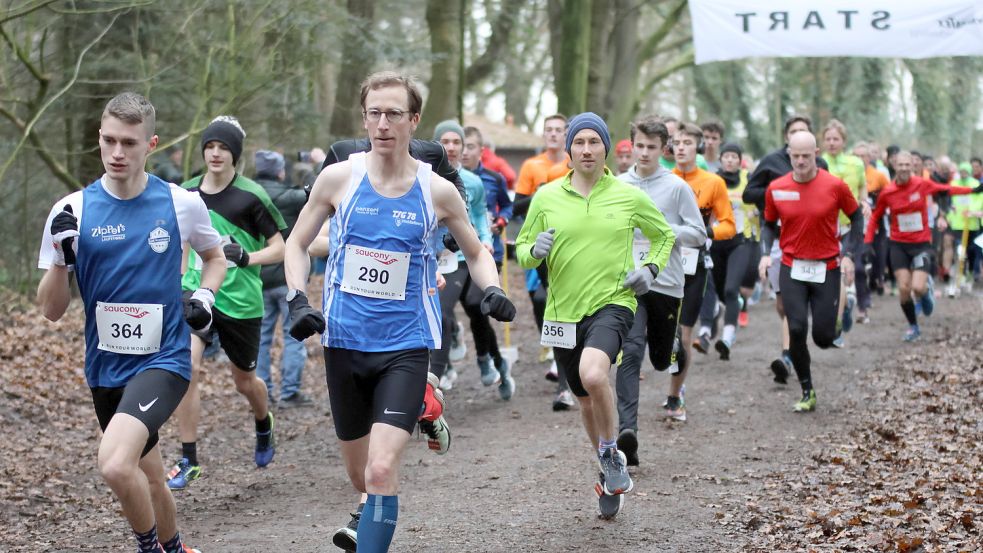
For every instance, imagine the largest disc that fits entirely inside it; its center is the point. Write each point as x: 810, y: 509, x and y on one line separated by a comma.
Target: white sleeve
x: 193, y: 220
x: 46, y: 255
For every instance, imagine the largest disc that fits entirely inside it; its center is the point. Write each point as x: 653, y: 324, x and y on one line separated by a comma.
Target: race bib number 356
x: 375, y: 273
x: 559, y: 335
x: 129, y: 328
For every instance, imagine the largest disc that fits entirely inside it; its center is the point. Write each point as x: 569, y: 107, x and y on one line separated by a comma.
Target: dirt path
x: 518, y: 477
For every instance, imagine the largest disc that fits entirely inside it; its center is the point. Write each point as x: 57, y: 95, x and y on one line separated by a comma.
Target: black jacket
x: 289, y: 200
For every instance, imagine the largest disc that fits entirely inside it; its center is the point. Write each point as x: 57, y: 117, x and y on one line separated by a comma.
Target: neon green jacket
x: 591, y: 254
x: 963, y: 203
x: 851, y: 170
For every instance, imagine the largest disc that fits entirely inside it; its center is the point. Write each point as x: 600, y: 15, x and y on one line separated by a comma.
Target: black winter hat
x: 227, y: 130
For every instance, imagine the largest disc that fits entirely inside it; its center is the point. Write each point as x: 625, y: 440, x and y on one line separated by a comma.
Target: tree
x: 358, y: 53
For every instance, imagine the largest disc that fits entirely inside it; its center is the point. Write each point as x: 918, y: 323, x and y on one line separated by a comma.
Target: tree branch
x: 651, y: 46
x: 497, y: 43
x: 15, y: 14
x: 684, y: 60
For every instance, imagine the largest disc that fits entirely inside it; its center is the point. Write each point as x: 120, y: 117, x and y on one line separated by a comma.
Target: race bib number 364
x: 375, y: 273
x: 129, y: 328
x: 559, y: 335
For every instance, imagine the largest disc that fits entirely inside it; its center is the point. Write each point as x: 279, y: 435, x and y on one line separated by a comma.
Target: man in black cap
x: 250, y: 225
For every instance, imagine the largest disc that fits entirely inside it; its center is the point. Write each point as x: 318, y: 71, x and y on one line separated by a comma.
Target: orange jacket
x: 712, y: 199
x: 875, y: 179
x: 539, y: 170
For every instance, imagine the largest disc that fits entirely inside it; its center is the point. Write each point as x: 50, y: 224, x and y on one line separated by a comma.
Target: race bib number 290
x: 375, y: 273
x: 129, y: 328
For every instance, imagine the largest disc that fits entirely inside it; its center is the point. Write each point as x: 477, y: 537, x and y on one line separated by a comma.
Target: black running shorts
x: 605, y: 330
x: 693, y: 290
x: 150, y: 397
x: 915, y: 257
x: 369, y: 387
x: 239, y: 338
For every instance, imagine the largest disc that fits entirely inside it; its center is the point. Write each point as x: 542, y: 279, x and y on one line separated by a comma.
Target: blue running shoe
x: 506, y: 386
x: 913, y: 333
x: 182, y: 474
x: 851, y: 301
x: 928, y: 300
x: 266, y: 445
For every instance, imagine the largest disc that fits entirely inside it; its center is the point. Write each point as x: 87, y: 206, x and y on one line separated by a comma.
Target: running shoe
x: 459, y: 348
x: 614, y: 467
x: 756, y: 294
x: 702, y: 343
x: 564, y: 401
x: 553, y: 374
x: 545, y: 354
x: 682, y: 394
x: 506, y: 385
x: 723, y: 348
x: 183, y: 474
x: 447, y: 381
x: 781, y: 368
x: 928, y: 300
x: 839, y: 341
x: 298, y: 399
x: 433, y: 399
x: 950, y: 290
x: 489, y: 376
x: 266, y: 444
x: 718, y: 320
x: 742, y: 319
x: 807, y: 403
x: 628, y: 444
x: 912, y: 334
x: 609, y: 505
x: 438, y: 435
x: 676, y: 408
x: 346, y: 537
x: 190, y: 549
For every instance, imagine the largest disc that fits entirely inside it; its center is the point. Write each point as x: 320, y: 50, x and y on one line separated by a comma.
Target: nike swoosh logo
x: 388, y: 412
x: 144, y: 408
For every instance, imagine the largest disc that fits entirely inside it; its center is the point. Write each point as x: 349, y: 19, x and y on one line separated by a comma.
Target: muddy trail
x: 518, y: 476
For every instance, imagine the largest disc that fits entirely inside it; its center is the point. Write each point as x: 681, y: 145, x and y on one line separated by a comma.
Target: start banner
x: 734, y: 29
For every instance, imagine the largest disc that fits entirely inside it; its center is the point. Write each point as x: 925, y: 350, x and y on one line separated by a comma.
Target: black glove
x: 236, y: 254
x: 497, y: 304
x: 198, y: 307
x: 710, y: 232
x: 450, y: 243
x: 305, y: 321
x: 978, y: 189
x: 64, y: 229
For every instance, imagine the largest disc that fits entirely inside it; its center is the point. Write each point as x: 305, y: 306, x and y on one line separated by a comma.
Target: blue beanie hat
x: 588, y: 120
x: 268, y: 163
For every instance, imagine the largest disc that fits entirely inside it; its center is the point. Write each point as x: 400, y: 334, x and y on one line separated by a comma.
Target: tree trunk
x: 444, y: 99
x: 358, y: 57
x: 571, y: 84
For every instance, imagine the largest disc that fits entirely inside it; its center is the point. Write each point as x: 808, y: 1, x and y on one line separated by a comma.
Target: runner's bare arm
x: 54, y: 294
x: 452, y: 213
x: 271, y: 254
x: 321, y: 245
x: 320, y: 206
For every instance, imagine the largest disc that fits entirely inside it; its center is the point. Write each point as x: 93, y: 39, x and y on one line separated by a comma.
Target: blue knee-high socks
x: 377, y: 523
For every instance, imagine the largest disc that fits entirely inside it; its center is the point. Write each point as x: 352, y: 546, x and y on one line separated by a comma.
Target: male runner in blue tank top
x: 380, y: 297
x: 122, y: 236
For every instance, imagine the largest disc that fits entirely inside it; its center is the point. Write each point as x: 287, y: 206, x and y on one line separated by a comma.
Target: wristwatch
x: 293, y: 293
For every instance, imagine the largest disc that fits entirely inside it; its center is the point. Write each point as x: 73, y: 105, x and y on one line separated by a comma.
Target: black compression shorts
x: 150, y: 397
x: 605, y: 330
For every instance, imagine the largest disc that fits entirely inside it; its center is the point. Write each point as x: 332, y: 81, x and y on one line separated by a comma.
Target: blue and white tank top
x: 380, y: 289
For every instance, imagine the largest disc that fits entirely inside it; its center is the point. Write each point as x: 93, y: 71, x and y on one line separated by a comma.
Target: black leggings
x: 730, y: 260
x: 802, y: 299
x: 460, y: 288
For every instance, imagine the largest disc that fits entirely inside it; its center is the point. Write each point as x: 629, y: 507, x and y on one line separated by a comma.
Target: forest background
x: 290, y: 71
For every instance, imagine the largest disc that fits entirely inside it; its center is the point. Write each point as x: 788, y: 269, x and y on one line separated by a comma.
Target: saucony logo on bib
x: 128, y: 310
x: 145, y: 408
x: 381, y: 257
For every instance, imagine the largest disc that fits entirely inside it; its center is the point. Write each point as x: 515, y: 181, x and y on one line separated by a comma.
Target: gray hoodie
x: 676, y: 201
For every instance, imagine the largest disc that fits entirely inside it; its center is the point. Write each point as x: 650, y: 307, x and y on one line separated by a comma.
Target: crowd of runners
x: 665, y: 253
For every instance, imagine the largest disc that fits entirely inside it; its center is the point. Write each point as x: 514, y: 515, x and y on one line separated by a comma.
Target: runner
x: 713, y: 134
x: 380, y: 301
x: 242, y: 212
x: 910, y: 247
x: 623, y: 154
x: 877, y: 180
x: 127, y: 260
x: 718, y: 218
x: 851, y: 170
x: 583, y: 227
x: 668, y: 159
x: 807, y: 204
x: 961, y: 217
x: 774, y: 165
x: 657, y: 315
x: 536, y: 171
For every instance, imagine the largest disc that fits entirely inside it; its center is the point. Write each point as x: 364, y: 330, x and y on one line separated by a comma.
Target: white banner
x: 734, y: 29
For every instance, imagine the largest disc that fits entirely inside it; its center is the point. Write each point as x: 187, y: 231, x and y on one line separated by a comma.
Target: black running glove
x: 497, y: 304
x: 64, y: 230
x: 236, y: 254
x: 305, y: 321
x: 198, y: 308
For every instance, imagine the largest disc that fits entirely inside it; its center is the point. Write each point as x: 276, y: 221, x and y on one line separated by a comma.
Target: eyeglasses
x: 392, y: 115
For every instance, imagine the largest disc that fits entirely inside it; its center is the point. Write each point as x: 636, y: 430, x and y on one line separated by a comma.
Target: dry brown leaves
x: 906, y: 479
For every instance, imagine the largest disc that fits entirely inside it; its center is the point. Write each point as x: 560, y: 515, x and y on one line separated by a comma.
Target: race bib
x: 129, y: 328
x: 691, y: 257
x: 639, y: 251
x: 910, y: 222
x: 559, y: 335
x: 809, y: 271
x: 962, y: 200
x: 739, y: 219
x: 375, y: 273
x: 447, y: 262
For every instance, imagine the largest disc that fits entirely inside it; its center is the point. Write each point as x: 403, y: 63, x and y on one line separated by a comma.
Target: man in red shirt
x: 807, y: 203
x: 910, y: 246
